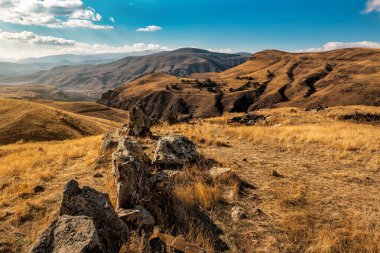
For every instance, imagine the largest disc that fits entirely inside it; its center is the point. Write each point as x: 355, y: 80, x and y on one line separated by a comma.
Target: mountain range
x: 9, y: 67
x: 94, y: 80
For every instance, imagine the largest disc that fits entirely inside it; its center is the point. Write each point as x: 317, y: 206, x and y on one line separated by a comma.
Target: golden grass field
x: 327, y: 200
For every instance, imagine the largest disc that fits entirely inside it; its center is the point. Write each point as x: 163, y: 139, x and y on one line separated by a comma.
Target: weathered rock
x: 139, y: 124
x: 130, y: 168
x: 163, y: 243
x: 110, y: 141
x: 74, y: 234
x: 163, y: 175
x: 248, y: 119
x: 276, y: 174
x: 175, y: 150
x: 112, y: 232
x: 137, y: 216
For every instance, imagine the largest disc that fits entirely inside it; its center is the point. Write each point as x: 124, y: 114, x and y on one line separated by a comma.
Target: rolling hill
x: 269, y: 79
x: 94, y: 80
x: 29, y: 121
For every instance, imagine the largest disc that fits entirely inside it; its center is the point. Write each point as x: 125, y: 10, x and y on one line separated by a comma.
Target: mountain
x: 70, y: 59
x: 100, y: 78
x: 32, y: 65
x: 269, y: 79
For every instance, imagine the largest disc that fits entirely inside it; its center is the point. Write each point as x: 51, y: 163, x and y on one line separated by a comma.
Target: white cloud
x: 372, y: 5
x: 50, y: 13
x: 339, y: 45
x: 222, y: 50
x: 32, y: 38
x: 112, y: 19
x: 149, y: 28
x: 27, y: 44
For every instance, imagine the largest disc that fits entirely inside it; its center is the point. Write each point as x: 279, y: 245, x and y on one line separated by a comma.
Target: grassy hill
x: 29, y: 121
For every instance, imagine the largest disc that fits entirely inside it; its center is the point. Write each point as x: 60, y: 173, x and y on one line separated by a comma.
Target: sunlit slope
x: 29, y: 121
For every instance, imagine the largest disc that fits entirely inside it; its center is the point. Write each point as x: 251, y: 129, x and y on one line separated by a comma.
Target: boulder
x: 139, y: 124
x: 137, y: 216
x: 70, y: 234
x: 175, y: 150
x: 87, y: 222
x: 130, y: 167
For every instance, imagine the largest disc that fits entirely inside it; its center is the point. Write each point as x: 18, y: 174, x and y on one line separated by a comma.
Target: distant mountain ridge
x: 100, y: 78
x: 29, y: 66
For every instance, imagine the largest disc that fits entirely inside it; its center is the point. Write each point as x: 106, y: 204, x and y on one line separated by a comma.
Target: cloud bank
x: 50, y: 13
x: 339, y: 45
x: 372, y: 5
x: 34, y: 45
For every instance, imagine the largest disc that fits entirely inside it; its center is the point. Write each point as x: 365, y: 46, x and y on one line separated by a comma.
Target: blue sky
x: 89, y: 26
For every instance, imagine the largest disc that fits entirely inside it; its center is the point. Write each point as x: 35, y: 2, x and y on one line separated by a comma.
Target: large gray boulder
x: 175, y: 150
x: 70, y: 234
x: 84, y: 211
x: 139, y: 124
x: 130, y: 167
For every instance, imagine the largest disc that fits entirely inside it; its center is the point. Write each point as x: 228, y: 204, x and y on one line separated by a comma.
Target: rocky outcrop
x: 130, y: 167
x: 248, y: 119
x: 139, y: 123
x: 87, y: 223
x: 174, y: 151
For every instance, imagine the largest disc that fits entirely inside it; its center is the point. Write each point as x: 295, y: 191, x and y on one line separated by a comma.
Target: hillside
x: 27, y: 121
x: 94, y: 80
x: 325, y: 201
x: 91, y: 109
x: 269, y: 79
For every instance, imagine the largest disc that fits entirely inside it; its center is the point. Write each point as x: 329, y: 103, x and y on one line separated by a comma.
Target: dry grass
x: 328, y: 199
x: 24, y: 214
x: 193, y: 189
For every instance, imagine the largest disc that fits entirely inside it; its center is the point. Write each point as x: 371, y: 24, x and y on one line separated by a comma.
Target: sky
x: 34, y: 28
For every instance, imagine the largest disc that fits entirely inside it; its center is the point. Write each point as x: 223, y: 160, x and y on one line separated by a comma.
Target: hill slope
x: 94, y: 80
x: 28, y: 121
x: 268, y: 79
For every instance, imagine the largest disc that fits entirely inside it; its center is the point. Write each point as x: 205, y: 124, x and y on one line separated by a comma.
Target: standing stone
x: 175, y: 150
x: 130, y: 168
x: 139, y: 124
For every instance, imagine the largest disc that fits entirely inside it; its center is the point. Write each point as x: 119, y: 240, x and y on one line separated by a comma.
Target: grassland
x: 326, y: 198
